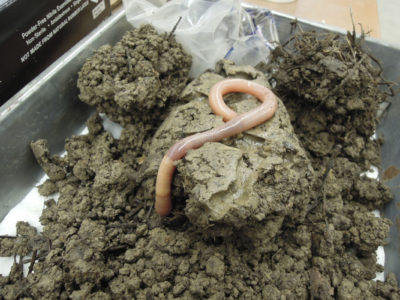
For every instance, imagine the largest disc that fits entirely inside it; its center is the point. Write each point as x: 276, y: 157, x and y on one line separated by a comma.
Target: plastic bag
x: 259, y: 36
x: 210, y: 30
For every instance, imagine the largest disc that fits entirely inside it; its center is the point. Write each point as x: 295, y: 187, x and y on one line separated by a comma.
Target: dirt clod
x: 135, y: 80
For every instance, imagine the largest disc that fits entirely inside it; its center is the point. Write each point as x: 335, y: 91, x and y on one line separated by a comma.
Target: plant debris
x: 305, y: 230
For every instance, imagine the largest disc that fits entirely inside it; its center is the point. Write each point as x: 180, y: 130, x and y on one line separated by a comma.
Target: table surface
x: 332, y: 12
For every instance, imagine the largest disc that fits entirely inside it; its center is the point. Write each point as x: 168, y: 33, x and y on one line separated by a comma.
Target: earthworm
x: 234, y: 124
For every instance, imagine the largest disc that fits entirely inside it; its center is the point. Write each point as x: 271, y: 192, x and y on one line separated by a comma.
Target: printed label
x: 98, y: 9
x: 29, y: 43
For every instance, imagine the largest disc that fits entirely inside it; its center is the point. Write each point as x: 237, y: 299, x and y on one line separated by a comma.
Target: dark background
x: 17, y: 16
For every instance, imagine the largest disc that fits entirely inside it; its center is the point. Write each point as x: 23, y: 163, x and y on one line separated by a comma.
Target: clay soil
x: 278, y: 212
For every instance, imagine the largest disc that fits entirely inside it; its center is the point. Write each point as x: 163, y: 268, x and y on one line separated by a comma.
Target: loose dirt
x: 277, y: 212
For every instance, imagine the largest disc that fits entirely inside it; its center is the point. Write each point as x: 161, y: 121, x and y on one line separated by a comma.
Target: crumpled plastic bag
x: 210, y: 29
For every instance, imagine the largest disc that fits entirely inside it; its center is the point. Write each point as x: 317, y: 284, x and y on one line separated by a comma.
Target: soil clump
x: 305, y: 231
x: 136, y: 80
x: 262, y: 175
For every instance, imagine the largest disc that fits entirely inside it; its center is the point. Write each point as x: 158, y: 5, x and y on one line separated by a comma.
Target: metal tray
x: 48, y: 107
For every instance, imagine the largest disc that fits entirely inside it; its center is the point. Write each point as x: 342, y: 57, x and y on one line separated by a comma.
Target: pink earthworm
x: 234, y: 124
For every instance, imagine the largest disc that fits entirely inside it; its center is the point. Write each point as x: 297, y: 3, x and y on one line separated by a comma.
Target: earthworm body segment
x: 234, y: 124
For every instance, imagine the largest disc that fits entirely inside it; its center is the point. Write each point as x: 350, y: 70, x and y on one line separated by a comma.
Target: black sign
x: 33, y: 34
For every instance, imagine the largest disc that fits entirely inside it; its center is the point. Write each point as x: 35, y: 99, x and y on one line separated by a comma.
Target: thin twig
x: 38, y: 258
x: 21, y: 268
x: 34, y: 255
x: 352, y: 22
x: 135, y: 211
x: 129, y: 60
x: 115, y: 248
x: 149, y: 212
x: 340, y: 85
x: 174, y: 28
